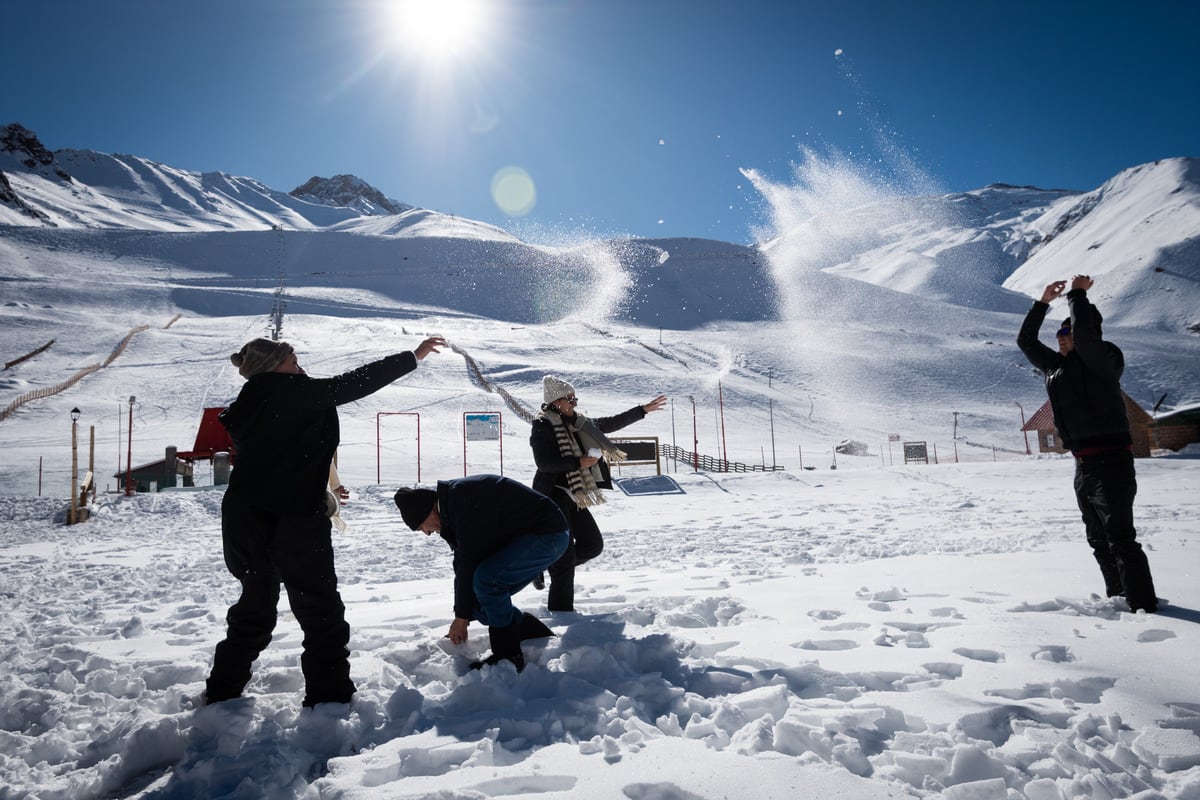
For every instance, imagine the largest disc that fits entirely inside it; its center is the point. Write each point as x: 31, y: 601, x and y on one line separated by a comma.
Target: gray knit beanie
x: 555, y: 388
x: 260, y: 355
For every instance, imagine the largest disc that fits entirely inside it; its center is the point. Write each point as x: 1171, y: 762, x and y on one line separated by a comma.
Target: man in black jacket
x: 503, y: 534
x: 1083, y: 380
x: 274, y: 527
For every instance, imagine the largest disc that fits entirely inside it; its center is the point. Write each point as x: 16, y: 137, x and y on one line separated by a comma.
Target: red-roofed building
x: 1141, y: 426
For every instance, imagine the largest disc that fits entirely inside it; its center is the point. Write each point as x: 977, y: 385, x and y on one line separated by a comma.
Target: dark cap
x: 415, y: 505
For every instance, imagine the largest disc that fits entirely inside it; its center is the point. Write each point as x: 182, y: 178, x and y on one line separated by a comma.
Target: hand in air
x: 655, y: 404
x: 1053, y: 291
x: 428, y: 346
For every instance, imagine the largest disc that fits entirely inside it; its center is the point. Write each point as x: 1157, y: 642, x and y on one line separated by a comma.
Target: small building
x: 1176, y: 430
x: 1143, y: 428
x: 211, y: 439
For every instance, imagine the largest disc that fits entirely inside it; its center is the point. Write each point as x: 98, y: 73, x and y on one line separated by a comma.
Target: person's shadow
x: 1179, y: 612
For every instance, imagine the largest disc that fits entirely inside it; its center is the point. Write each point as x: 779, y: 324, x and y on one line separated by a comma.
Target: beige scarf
x: 581, y: 483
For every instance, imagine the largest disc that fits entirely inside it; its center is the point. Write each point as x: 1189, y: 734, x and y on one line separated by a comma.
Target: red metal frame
x: 378, y: 463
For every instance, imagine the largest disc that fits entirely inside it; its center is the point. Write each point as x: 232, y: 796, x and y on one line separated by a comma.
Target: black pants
x: 262, y: 550
x: 586, y: 543
x: 1105, y: 486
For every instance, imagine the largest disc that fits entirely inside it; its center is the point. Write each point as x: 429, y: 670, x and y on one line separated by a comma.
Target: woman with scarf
x: 572, y: 455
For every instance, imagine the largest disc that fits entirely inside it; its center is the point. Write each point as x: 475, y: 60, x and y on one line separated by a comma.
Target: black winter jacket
x: 1085, y: 385
x: 481, y: 514
x: 285, y: 432
x: 553, y: 466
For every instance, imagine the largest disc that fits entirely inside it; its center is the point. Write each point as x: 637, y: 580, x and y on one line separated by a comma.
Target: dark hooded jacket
x: 482, y: 514
x: 1084, y: 386
x: 285, y: 432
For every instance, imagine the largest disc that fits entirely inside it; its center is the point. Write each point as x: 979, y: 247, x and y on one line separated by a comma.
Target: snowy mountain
x: 75, y: 189
x: 853, y: 625
x: 348, y: 191
x: 988, y: 249
x: 909, y: 304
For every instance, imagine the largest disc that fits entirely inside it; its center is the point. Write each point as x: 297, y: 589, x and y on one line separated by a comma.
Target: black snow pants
x: 1105, y: 485
x: 262, y: 550
x: 586, y: 543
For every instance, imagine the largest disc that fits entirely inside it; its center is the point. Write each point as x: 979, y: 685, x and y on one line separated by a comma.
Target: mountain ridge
x: 988, y: 249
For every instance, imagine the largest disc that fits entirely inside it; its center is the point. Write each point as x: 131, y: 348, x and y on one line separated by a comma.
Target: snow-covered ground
x: 878, y: 630
x: 869, y: 632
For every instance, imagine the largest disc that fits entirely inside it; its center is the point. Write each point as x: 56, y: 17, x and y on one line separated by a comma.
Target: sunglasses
x: 1063, y: 332
x: 573, y: 400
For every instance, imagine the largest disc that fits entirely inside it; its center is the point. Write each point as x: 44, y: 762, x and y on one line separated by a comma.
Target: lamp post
x: 1028, y: 452
x: 129, y: 452
x: 71, y: 517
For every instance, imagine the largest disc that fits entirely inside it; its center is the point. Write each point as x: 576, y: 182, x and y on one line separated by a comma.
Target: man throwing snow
x: 275, y: 526
x: 503, y: 534
x: 1083, y: 381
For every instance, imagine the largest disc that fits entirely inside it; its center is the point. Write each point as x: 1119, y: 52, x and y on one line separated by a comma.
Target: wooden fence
x: 47, y: 391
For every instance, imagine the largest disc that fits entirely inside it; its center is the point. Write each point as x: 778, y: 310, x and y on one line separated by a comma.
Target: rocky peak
x: 20, y: 143
x: 348, y: 191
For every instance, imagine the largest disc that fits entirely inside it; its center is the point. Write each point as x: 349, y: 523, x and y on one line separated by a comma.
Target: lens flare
x: 513, y: 191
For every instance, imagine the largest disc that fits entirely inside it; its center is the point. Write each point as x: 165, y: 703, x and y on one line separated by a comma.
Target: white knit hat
x: 554, y: 388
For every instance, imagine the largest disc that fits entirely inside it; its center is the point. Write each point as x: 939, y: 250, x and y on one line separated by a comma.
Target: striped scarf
x: 581, y: 483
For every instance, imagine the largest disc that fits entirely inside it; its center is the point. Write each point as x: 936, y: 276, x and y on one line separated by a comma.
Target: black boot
x: 530, y: 627
x: 562, y: 594
x: 539, y: 582
x: 506, y: 646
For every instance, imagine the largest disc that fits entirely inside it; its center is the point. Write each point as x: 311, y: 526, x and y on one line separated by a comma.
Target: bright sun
x: 438, y: 29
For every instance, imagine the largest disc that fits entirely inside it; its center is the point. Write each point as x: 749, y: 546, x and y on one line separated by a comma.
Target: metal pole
x: 721, y: 402
x: 129, y: 452
x: 695, y: 438
x: 771, y: 412
x: 1028, y: 452
x: 673, y: 442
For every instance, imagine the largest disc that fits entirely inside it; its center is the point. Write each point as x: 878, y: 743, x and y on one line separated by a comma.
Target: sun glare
x: 437, y: 29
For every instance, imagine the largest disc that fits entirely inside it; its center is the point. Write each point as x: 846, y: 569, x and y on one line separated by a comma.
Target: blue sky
x: 625, y: 116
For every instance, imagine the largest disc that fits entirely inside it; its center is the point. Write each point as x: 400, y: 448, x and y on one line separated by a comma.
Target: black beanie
x: 415, y: 505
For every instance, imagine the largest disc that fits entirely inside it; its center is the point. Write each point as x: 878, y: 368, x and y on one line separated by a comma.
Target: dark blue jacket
x: 481, y: 514
x: 1084, y: 386
x: 285, y: 432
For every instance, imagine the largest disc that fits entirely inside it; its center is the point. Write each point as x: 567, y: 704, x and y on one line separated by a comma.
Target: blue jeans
x: 507, y: 571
